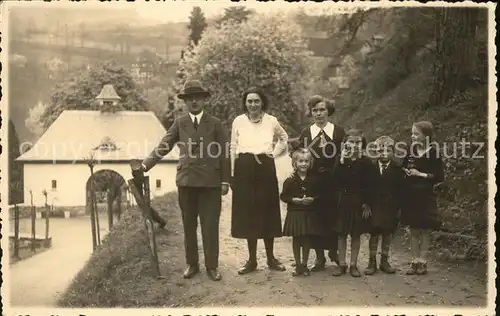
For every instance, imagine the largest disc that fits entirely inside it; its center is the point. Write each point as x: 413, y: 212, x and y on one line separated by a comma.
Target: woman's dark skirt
x: 420, y: 209
x: 302, y: 223
x: 256, y: 204
x: 348, y: 216
x: 326, y: 205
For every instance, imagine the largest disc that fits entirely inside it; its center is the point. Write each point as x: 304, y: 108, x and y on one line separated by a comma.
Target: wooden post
x: 33, y: 224
x: 90, y: 197
x: 96, y: 210
x: 110, y: 209
x: 47, y: 217
x: 150, y: 226
x: 143, y: 204
x: 94, y: 207
x: 16, y: 231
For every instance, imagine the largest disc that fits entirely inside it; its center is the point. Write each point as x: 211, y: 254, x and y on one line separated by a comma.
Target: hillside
x: 49, y: 44
x: 391, y: 87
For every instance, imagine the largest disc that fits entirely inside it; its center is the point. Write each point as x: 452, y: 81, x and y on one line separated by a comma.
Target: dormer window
x: 107, y: 144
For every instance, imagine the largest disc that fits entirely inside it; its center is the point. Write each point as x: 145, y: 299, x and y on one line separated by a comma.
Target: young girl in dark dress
x: 300, y: 191
x: 424, y: 169
x: 386, y: 204
x: 324, y: 139
x: 353, y: 175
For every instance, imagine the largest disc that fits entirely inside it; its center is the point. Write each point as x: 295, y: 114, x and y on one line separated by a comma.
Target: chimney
x: 108, y: 98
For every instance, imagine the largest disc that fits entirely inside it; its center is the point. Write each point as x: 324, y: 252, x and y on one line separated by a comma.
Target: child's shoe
x: 298, y: 270
x: 305, y: 270
x: 421, y: 268
x: 372, y: 266
x: 385, y: 265
x: 339, y: 270
x: 412, y: 269
x: 353, y: 270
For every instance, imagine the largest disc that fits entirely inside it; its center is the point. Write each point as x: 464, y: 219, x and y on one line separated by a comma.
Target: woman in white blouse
x: 256, y: 204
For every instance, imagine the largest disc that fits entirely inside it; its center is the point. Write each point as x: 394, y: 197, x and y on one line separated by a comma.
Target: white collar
x: 198, y: 116
x: 315, y: 130
x: 387, y: 164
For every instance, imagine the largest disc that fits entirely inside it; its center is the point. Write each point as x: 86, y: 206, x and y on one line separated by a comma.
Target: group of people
x: 335, y: 190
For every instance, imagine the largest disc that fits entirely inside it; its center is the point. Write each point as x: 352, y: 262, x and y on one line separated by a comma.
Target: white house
x: 58, y: 160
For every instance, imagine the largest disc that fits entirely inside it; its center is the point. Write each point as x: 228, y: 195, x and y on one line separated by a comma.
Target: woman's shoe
x: 354, y: 271
x: 412, y: 269
x: 248, y: 267
x: 339, y: 270
x: 421, y: 268
x: 274, y: 264
x: 319, y: 265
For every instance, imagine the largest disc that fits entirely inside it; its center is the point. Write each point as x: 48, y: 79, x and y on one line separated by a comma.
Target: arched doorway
x: 110, y: 189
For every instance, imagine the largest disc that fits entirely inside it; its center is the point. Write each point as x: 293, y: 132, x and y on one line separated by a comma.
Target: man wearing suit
x: 203, y: 174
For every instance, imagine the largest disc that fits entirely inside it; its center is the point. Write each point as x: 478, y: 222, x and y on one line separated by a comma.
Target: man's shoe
x: 372, y: 266
x: 191, y: 271
x: 214, y: 274
x: 385, y: 265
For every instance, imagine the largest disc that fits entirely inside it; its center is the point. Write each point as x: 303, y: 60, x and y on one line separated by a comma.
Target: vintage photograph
x: 216, y: 154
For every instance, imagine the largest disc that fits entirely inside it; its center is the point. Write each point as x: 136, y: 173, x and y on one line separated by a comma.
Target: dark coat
x: 196, y: 167
x: 420, y: 208
x: 323, y: 164
x: 387, y: 198
x: 355, y: 182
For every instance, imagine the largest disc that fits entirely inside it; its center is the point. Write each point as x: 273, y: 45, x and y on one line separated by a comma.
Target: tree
x: 267, y: 51
x: 15, y: 169
x: 456, y: 52
x: 197, y: 24
x: 34, y: 121
x: 238, y: 14
x: 80, y: 91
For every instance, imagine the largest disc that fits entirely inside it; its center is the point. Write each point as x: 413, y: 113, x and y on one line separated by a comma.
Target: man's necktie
x: 384, y: 168
x: 195, y: 122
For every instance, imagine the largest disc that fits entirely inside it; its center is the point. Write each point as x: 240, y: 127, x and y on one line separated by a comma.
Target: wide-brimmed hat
x: 193, y: 87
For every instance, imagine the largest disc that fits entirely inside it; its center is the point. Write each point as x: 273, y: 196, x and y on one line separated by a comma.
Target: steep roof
x: 119, y: 136
x: 108, y: 92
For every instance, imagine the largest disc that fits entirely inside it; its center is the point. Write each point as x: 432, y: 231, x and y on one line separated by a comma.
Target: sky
x: 177, y: 11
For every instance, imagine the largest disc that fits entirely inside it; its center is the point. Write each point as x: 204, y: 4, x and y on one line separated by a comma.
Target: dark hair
x: 354, y: 132
x: 315, y: 99
x: 260, y: 93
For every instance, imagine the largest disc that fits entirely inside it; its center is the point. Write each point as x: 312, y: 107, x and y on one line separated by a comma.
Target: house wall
x: 72, y: 178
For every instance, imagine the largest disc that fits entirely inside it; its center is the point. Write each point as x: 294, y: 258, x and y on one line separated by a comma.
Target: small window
x: 54, y: 184
x: 158, y: 183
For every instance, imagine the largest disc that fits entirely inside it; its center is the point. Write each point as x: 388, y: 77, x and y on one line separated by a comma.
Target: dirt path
x: 446, y: 284
x: 38, y: 280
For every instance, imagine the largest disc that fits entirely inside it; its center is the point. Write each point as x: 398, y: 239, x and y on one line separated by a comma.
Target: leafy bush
x: 266, y: 50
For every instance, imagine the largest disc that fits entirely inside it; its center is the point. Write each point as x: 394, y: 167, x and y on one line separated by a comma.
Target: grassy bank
x: 119, y: 274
